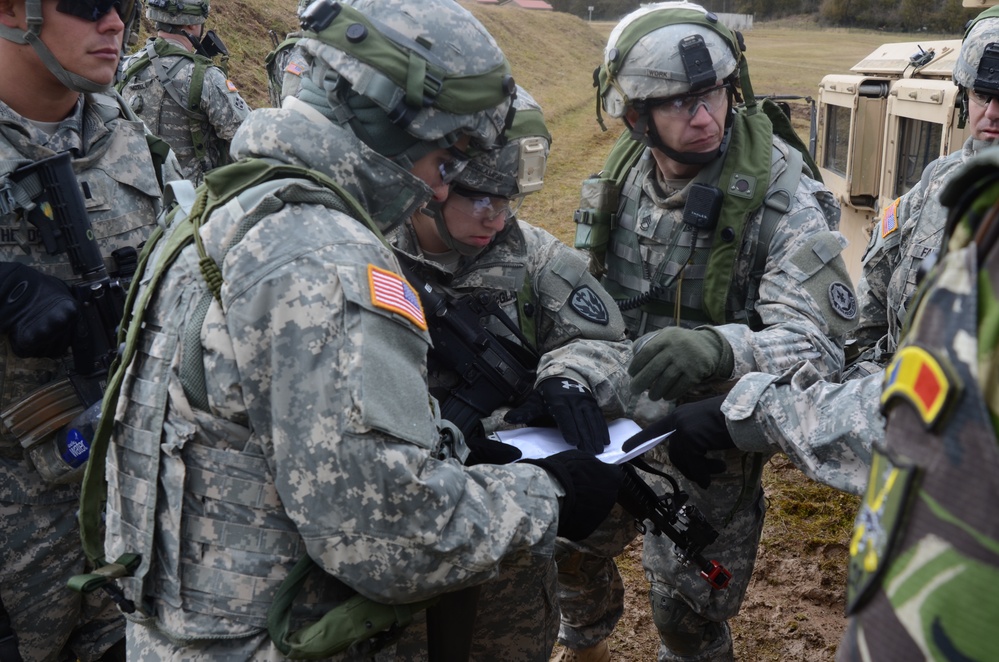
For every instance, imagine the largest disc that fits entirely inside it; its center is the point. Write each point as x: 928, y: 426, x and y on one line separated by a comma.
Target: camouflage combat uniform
x: 924, y: 550
x: 795, y: 318
x: 39, y: 537
x: 219, y: 114
x: 577, y: 329
x: 316, y: 405
x: 827, y: 429
x: 910, y: 229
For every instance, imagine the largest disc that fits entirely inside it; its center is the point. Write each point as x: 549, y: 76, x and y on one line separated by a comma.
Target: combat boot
x: 597, y: 653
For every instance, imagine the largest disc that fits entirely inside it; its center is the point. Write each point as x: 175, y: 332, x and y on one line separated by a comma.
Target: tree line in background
x: 944, y: 16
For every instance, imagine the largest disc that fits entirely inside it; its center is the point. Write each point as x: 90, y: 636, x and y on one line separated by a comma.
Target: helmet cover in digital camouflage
x: 177, y: 12
x: 429, y: 66
x: 518, y: 166
x: 658, y: 51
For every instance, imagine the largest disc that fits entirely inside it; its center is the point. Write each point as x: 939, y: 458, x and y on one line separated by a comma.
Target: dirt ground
x: 794, y: 608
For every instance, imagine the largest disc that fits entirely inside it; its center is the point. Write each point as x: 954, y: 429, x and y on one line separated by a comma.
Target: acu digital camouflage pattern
x: 571, y: 342
x: 925, y: 551
x: 798, y: 318
x: 893, y: 259
x: 518, y: 615
x: 828, y: 429
x: 219, y: 114
x: 317, y: 404
x: 654, y: 68
x: 39, y: 537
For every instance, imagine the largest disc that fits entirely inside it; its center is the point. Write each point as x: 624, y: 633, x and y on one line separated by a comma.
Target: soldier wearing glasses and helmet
x: 723, y: 254
x: 472, y: 249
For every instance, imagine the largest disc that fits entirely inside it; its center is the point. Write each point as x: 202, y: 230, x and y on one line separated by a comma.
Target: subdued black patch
x: 589, y: 306
x: 842, y: 300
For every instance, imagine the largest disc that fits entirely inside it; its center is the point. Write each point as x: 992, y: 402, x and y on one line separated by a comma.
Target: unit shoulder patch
x: 589, y: 305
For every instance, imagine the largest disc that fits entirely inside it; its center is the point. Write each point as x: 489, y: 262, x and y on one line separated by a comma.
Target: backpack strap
x: 221, y: 185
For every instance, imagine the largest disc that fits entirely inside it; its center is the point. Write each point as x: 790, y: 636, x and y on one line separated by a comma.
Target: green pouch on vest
x: 356, y: 620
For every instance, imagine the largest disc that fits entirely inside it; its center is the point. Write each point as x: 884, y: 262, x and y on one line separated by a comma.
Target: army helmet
x: 177, y: 12
x: 517, y: 167
x: 407, y: 76
x: 977, y: 66
x: 663, y: 50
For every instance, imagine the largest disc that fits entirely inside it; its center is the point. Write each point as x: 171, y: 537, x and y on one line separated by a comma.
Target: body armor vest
x: 652, y: 246
x: 150, y: 86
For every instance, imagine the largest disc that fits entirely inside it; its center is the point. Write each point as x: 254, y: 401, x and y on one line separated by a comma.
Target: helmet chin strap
x: 31, y: 37
x: 436, y: 211
x: 645, y: 131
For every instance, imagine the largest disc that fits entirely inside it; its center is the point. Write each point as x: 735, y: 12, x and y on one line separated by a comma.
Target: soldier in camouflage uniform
x: 724, y: 265
x: 925, y: 548
x: 59, y: 61
x: 473, y: 244
x: 911, y: 226
x: 827, y: 429
x: 179, y: 92
x: 286, y: 417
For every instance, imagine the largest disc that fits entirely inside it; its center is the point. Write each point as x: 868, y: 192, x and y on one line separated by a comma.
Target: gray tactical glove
x: 37, y: 312
x: 676, y: 360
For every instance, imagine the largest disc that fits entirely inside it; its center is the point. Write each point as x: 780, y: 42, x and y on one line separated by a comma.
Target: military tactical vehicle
x: 881, y: 124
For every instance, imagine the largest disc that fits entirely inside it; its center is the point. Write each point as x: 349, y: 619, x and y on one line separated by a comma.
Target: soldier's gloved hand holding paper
x: 543, y: 442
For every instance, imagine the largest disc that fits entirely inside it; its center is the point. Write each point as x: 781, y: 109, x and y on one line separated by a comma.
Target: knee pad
x: 686, y: 635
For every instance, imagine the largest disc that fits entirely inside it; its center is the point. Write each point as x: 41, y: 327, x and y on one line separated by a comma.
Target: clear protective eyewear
x: 981, y: 98
x: 452, y: 167
x: 687, y: 105
x: 95, y: 10
x: 482, y: 206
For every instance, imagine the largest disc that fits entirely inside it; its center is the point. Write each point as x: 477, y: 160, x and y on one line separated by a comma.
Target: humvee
x: 881, y: 124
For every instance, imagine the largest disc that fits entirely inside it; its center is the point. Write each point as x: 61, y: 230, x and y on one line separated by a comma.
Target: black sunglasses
x: 94, y: 10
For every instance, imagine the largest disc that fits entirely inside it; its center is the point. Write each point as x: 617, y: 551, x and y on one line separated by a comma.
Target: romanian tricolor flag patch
x: 889, y: 218
x: 390, y: 291
x: 915, y: 376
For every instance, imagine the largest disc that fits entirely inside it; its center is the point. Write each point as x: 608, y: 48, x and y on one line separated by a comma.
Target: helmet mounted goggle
x: 530, y: 137
x: 408, y: 64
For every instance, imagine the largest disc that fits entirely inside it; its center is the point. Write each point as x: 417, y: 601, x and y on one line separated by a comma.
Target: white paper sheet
x: 542, y: 442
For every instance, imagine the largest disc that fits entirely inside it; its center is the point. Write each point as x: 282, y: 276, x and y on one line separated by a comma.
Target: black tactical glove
x: 591, y: 488
x: 37, y: 312
x: 483, y: 450
x: 699, y: 428
x: 571, y: 407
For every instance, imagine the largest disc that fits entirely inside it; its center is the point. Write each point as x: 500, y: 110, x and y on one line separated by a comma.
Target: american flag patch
x: 294, y: 68
x: 889, y: 219
x: 231, y: 85
x: 390, y: 291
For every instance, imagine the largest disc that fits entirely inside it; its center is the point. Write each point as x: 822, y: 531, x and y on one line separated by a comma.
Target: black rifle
x: 672, y: 516
x: 60, y: 214
x: 492, y: 371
